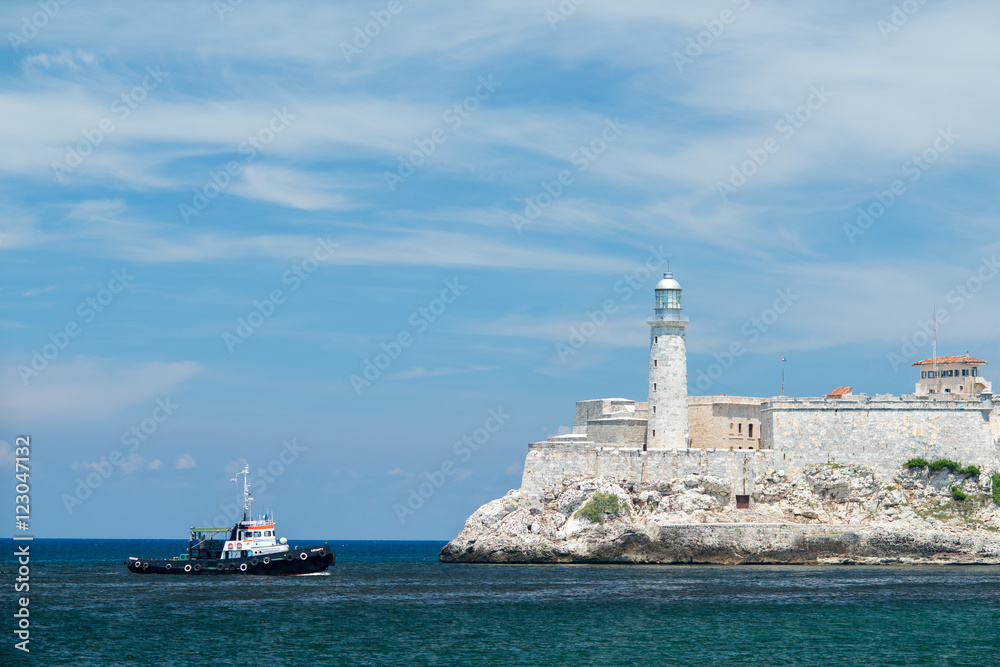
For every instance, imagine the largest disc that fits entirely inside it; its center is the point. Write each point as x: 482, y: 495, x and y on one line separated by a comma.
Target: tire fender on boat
x: 169, y: 566
x: 304, y: 555
x: 221, y: 565
x: 243, y: 567
x: 266, y: 560
x: 187, y: 568
x: 288, y: 556
x: 254, y: 561
x: 197, y: 567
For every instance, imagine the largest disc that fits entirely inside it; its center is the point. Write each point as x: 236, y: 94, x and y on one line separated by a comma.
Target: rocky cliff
x: 821, y: 514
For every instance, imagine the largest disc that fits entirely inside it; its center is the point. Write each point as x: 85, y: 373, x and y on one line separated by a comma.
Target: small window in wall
x: 654, y: 409
x: 656, y: 339
x: 947, y: 391
x: 750, y: 431
x: 739, y: 429
x: 654, y: 386
x: 975, y: 371
x: 742, y: 502
x: 731, y: 426
x: 654, y: 432
x: 654, y: 363
x: 923, y: 375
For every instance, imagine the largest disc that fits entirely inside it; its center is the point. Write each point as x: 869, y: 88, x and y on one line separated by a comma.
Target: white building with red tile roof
x: 951, y: 375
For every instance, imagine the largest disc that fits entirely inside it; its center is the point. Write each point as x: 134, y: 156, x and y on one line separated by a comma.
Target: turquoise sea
x: 393, y: 603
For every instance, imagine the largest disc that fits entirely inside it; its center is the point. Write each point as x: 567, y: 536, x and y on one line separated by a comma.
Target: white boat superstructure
x: 252, y: 537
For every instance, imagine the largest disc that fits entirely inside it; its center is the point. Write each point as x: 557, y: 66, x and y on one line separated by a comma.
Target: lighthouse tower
x: 667, y: 427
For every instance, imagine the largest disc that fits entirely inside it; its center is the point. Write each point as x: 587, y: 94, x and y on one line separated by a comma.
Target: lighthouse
x: 667, y: 427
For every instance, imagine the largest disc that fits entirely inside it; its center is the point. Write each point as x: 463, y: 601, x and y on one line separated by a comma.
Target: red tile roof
x: 839, y: 391
x: 964, y: 359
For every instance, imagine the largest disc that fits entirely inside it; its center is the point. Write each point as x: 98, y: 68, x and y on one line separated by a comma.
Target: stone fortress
x: 724, y: 455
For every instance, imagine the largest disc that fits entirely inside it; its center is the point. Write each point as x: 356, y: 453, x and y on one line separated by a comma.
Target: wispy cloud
x: 91, y: 388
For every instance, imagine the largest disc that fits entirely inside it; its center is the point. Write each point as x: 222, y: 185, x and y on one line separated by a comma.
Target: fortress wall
x: 549, y: 464
x: 600, y: 407
x: 883, y: 433
x: 710, y: 418
x: 623, y: 432
x: 995, y: 423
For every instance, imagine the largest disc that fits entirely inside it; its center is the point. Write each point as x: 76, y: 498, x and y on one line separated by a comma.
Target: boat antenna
x: 246, y: 491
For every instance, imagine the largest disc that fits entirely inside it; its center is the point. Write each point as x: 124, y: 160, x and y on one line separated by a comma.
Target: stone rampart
x: 549, y: 466
x: 619, y: 431
x: 881, y: 432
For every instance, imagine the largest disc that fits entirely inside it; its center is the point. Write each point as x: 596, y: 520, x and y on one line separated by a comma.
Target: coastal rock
x: 822, y: 514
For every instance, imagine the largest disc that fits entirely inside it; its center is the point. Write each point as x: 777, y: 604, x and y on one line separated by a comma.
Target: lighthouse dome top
x: 668, y: 282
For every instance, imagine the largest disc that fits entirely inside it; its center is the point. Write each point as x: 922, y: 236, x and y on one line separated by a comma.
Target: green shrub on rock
x: 941, y: 464
x: 957, y: 493
x: 996, y: 489
x: 600, y: 505
x: 955, y: 467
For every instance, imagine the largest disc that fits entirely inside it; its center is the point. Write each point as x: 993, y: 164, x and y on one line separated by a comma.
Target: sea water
x: 393, y: 603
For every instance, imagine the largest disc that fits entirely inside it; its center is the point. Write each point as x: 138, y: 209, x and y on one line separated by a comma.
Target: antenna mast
x: 246, y: 492
x: 937, y: 378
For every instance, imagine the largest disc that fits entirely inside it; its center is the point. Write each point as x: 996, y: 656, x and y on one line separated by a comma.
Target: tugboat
x: 249, y: 547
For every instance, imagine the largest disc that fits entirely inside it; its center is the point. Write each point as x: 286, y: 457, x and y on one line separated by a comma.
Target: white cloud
x: 37, y: 291
x: 185, y: 462
x: 132, y: 463
x: 89, y: 387
x: 6, y: 454
x: 288, y: 187
x: 420, y: 372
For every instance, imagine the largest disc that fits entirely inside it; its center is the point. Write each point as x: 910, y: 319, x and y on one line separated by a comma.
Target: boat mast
x: 246, y: 492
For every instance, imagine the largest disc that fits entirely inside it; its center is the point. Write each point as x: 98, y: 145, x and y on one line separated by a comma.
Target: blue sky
x: 468, y: 183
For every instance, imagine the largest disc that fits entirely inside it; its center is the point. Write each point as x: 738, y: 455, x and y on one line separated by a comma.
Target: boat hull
x: 308, y: 560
